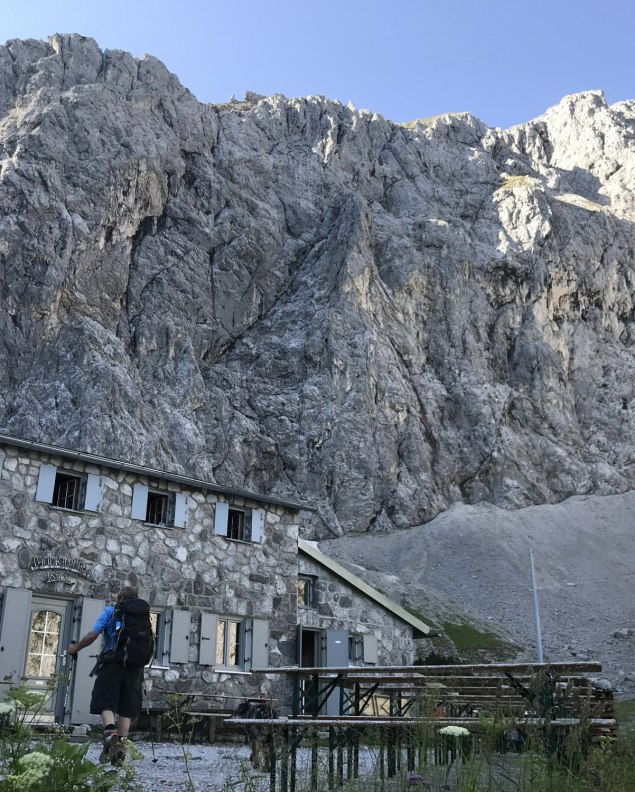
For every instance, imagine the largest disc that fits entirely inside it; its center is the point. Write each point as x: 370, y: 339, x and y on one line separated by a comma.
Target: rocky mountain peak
x: 298, y: 297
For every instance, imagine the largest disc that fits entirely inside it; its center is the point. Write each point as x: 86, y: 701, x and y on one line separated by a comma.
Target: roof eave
x: 115, y: 464
x: 419, y: 629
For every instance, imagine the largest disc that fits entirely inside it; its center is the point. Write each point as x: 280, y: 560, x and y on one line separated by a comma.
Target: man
x: 117, y: 690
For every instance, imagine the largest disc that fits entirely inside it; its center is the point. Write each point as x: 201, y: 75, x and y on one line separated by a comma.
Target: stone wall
x: 339, y: 605
x: 190, y: 569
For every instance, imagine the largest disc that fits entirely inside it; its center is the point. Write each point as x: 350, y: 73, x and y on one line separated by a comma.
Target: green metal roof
x: 420, y: 629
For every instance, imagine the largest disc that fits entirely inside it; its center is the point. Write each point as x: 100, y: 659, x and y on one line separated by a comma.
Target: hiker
x: 128, y: 645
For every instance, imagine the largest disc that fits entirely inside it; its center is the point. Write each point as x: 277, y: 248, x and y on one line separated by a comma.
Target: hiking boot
x: 111, y: 738
x: 118, y: 752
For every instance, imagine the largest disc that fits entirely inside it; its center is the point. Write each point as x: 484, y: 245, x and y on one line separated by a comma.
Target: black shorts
x: 117, y: 688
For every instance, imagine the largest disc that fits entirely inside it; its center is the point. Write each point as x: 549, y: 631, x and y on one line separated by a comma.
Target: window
x: 233, y: 644
x: 68, y: 489
x: 306, y: 591
x: 362, y: 649
x: 241, y: 525
x: 157, y: 507
x: 161, y: 654
x: 229, y: 643
x: 43, y: 643
x: 355, y: 649
x: 236, y: 526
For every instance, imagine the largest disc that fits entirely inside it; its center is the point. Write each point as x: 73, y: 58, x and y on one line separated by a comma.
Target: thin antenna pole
x: 534, y: 594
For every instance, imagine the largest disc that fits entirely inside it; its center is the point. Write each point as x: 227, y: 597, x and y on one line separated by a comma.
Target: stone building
x: 220, y: 568
x: 344, y: 621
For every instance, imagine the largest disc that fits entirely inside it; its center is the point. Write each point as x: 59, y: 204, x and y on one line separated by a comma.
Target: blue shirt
x: 104, y: 625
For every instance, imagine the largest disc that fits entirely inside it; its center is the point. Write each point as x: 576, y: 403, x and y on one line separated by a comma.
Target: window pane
x: 234, y: 644
x: 220, y: 642
x: 47, y: 669
x: 50, y: 643
x: 66, y: 491
x: 38, y: 621
x: 157, y: 511
x: 43, y: 643
x: 33, y: 665
x: 156, y: 620
x: 236, y: 525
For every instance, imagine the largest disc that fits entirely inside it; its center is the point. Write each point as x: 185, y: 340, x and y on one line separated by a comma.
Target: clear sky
x: 503, y: 60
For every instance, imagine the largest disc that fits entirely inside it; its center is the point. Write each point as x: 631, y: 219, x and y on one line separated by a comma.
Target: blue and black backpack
x: 133, y: 628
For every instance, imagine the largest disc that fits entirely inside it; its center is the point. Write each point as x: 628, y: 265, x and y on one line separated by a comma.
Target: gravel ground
x: 213, y: 768
x: 226, y: 768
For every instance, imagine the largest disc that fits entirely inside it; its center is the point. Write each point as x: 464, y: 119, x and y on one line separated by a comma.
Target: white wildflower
x: 454, y: 731
x: 6, y: 707
x: 36, y: 767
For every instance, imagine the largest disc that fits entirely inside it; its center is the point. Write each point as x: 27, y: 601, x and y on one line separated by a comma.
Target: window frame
x: 62, y: 478
x: 355, y: 649
x: 310, y: 590
x: 242, y: 531
x: 161, y: 657
x: 222, y: 623
x: 167, y: 499
x: 37, y: 649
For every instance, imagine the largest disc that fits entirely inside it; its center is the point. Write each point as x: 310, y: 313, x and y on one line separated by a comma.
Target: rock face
x: 299, y: 298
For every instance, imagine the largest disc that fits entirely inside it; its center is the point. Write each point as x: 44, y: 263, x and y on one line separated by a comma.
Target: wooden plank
x: 528, y: 668
x: 361, y: 720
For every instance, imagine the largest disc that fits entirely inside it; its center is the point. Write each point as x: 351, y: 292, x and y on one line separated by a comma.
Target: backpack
x: 135, y: 639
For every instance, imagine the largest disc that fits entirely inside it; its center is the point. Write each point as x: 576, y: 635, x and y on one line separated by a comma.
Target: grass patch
x: 580, y: 202
x: 625, y: 714
x: 516, y: 181
x: 467, y: 638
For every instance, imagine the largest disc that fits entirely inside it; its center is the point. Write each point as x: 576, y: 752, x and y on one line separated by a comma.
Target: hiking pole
x: 154, y: 758
x: 67, y: 692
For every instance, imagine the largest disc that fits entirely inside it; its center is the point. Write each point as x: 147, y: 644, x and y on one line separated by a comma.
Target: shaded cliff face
x: 306, y: 300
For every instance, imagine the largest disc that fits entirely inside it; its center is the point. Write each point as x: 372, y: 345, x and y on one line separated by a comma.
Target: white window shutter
x: 139, y: 502
x: 260, y: 644
x: 92, y: 501
x: 207, y: 644
x: 46, y: 483
x: 180, y: 638
x: 14, y: 632
x: 181, y: 505
x: 221, y: 516
x: 257, y: 524
x: 370, y: 649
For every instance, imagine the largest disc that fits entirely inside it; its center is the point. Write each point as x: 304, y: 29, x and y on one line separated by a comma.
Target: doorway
x: 309, y: 648
x: 46, y: 664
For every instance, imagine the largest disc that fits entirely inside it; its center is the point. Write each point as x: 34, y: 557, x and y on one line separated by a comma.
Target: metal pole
x: 534, y: 594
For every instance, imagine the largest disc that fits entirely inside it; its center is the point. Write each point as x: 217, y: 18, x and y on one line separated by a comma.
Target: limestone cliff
x: 304, y: 299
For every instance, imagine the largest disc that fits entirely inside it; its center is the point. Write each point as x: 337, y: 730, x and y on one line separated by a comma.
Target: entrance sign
x: 74, y: 566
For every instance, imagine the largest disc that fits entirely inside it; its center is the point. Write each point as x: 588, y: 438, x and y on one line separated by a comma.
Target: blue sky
x: 504, y: 61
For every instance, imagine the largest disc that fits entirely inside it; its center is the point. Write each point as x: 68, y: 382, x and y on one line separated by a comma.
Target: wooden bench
x: 204, y: 714
x: 209, y: 720
x: 213, y: 718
